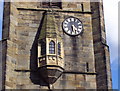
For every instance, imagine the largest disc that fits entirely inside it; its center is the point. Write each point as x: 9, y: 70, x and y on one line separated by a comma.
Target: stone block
x: 80, y: 77
x: 9, y: 84
x: 90, y: 78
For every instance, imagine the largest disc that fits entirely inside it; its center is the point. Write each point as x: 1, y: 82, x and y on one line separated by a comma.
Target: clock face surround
x: 72, y: 26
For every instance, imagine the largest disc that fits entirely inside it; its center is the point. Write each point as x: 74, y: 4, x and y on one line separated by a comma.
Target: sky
x: 111, y: 25
x: 1, y: 14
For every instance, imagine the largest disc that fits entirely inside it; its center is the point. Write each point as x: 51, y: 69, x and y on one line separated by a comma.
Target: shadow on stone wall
x: 3, y: 54
x: 34, y: 75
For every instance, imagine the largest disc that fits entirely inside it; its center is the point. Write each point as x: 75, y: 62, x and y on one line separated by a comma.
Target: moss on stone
x: 49, y: 26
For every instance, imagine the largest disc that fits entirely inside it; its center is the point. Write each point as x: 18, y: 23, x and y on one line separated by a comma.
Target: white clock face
x: 72, y: 26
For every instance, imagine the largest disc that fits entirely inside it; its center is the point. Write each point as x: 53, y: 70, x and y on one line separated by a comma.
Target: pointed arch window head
x: 52, y: 47
x: 59, y: 49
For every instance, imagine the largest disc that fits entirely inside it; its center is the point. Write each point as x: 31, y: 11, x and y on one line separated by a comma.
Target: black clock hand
x: 74, y: 29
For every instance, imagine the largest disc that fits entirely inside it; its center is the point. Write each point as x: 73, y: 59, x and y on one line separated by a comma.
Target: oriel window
x: 52, y: 47
x: 59, y: 49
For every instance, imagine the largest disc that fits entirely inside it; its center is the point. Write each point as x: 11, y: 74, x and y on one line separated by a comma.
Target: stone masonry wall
x: 101, y: 50
x: 22, y: 31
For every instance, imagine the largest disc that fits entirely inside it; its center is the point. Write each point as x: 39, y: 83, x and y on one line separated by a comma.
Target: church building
x: 54, y: 45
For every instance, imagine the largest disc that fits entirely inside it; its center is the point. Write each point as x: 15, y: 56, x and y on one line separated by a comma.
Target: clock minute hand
x: 74, y: 29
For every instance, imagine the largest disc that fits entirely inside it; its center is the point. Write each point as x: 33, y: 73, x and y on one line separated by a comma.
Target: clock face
x: 72, y: 26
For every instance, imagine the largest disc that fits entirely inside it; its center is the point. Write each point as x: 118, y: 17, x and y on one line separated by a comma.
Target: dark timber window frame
x: 52, y: 47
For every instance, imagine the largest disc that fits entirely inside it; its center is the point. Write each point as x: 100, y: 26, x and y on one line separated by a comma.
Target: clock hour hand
x: 74, y: 29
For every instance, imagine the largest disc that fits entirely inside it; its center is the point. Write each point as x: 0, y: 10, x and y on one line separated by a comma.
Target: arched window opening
x: 59, y: 49
x: 43, y: 48
x: 52, y: 47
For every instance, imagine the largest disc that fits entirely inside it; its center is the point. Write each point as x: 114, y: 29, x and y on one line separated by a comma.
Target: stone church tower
x: 54, y: 45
